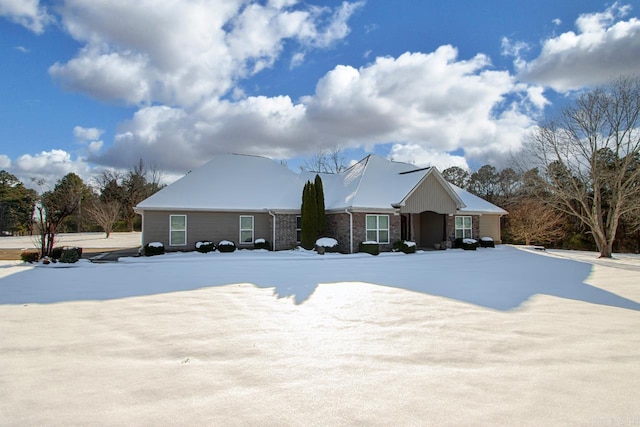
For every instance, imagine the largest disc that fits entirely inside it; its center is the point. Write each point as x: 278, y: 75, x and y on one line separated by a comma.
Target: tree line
x: 106, y: 204
x: 576, y: 184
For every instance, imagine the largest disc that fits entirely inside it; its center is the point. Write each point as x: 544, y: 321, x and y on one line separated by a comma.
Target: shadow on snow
x: 500, y: 279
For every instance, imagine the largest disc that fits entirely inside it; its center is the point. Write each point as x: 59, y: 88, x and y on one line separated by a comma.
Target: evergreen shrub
x: 469, y: 244
x: 404, y: 246
x: 153, y: 248
x: 226, y: 246
x: 487, y: 242
x: 205, y: 246
x: 70, y: 255
x: 30, y: 256
x: 261, y: 244
x: 369, y: 247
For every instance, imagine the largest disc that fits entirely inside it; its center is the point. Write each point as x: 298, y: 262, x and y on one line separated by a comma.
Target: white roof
x: 234, y: 182
x: 475, y: 204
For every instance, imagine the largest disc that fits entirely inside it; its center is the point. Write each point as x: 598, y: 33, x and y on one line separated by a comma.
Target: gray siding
x: 213, y: 226
x: 429, y: 196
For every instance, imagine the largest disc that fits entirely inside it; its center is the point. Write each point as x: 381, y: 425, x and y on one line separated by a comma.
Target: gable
x: 430, y: 195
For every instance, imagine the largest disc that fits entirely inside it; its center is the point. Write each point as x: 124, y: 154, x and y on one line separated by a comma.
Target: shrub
x: 404, y: 246
x: 30, y: 256
x: 70, y: 255
x: 487, y: 242
x: 261, y: 244
x: 457, y: 243
x: 205, y: 246
x: 469, y: 244
x: 153, y: 248
x: 226, y: 246
x: 369, y: 247
x: 327, y: 244
x: 56, y: 253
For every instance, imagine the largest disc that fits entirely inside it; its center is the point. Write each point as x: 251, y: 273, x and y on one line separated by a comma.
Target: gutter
x: 350, y: 230
x: 273, y: 239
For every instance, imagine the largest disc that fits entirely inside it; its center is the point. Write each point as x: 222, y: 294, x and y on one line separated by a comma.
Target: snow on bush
x: 261, y: 244
x: 327, y: 242
x: 405, y: 246
x: 469, y: 244
x: 487, y: 242
x: 205, y: 246
x: 153, y: 248
x: 226, y: 246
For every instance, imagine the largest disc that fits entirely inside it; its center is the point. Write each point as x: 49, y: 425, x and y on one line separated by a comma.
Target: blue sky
x: 89, y: 85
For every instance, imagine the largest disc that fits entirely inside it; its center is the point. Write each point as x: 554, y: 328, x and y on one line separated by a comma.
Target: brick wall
x: 451, y: 227
x: 286, y: 237
x: 338, y: 228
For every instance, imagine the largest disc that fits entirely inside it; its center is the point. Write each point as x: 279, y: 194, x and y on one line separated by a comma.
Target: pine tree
x: 322, y: 219
x: 309, y: 212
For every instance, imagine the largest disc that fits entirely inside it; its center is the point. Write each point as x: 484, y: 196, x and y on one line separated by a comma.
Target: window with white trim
x: 177, y: 230
x: 463, y: 227
x: 246, y: 229
x: 377, y: 228
x: 298, y: 228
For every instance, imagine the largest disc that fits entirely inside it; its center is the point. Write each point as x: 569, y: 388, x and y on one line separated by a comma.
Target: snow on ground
x: 493, y: 336
x: 83, y: 240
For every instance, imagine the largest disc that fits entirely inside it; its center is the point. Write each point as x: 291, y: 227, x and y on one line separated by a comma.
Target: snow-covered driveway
x: 496, y: 336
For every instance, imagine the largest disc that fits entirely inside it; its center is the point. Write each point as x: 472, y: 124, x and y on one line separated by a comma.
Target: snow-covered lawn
x: 494, y: 336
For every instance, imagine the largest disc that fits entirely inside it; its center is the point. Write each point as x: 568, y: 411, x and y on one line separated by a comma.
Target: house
x: 242, y: 198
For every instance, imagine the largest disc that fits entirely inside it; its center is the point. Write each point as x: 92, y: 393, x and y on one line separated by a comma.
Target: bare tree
x: 105, y: 214
x: 589, y: 159
x: 531, y: 220
x: 326, y: 160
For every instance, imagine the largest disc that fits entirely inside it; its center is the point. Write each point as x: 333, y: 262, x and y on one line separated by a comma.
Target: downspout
x: 273, y: 239
x: 350, y: 230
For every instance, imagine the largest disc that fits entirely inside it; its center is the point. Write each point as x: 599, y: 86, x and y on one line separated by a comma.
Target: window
x: 177, y: 230
x: 378, y: 228
x: 463, y: 227
x: 298, y: 228
x: 246, y: 229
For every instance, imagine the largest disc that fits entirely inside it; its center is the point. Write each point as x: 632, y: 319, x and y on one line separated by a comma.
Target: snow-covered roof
x: 475, y: 204
x: 231, y: 182
x: 234, y: 182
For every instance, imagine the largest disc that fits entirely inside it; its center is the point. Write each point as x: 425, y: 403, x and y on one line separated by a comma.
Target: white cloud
x: 28, y: 13
x: 22, y: 49
x: 48, y: 166
x: 5, y: 161
x: 433, y: 101
x: 87, y: 134
x: 604, y: 47
x: 184, y: 52
x: 422, y: 157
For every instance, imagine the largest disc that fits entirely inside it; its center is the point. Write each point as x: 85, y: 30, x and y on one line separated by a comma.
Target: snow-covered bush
x: 405, y: 246
x: 153, y: 248
x: 327, y: 244
x: 372, y: 248
x: 469, y: 244
x: 226, y: 246
x: 70, y: 255
x: 30, y: 256
x: 487, y: 242
x: 261, y: 244
x: 205, y: 246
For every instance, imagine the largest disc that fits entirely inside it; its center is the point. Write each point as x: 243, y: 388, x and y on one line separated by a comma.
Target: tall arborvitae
x: 322, y: 219
x: 309, y: 212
